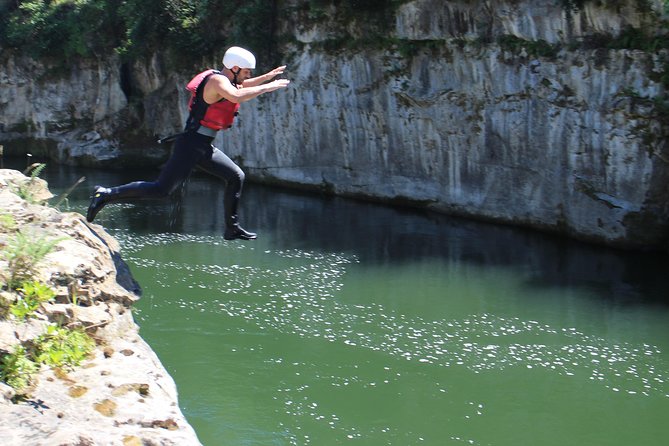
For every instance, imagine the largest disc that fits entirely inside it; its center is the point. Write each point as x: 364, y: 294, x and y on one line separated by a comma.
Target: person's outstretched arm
x: 255, y: 81
x: 224, y: 88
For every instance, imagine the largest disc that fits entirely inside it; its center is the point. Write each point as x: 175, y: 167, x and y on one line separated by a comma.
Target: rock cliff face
x: 121, y: 395
x: 508, y: 111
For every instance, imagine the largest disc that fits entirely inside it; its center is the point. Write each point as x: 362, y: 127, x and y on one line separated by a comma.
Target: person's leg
x: 221, y: 166
x: 187, y: 150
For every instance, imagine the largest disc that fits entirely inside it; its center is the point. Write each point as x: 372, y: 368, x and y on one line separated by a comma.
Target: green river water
x: 353, y: 323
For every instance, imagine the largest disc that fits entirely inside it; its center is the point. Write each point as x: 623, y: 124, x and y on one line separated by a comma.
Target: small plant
x: 73, y: 292
x: 4, y: 306
x: 22, y: 254
x: 60, y: 346
x: 16, y: 368
x: 7, y: 223
x: 32, y: 295
x: 25, y: 189
x: 533, y: 48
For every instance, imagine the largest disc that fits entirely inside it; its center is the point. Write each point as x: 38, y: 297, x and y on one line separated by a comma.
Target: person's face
x: 244, y: 73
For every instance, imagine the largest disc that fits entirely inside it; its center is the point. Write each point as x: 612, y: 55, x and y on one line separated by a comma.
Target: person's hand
x: 275, y: 85
x: 275, y: 72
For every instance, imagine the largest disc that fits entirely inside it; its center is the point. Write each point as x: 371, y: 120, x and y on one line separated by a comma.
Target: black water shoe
x: 98, y: 201
x: 235, y: 231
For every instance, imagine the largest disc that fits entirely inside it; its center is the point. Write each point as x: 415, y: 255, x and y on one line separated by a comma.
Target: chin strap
x: 234, y: 78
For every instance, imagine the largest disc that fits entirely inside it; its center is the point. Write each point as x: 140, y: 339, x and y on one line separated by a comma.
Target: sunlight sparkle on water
x: 301, y: 299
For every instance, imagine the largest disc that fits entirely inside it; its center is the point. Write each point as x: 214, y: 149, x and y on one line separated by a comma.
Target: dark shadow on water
x: 385, y: 235
x: 382, y: 234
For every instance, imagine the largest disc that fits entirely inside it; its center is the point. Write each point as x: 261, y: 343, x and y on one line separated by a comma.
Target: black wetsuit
x: 191, y: 150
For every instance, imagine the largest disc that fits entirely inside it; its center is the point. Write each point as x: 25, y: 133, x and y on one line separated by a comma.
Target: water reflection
x: 379, y: 234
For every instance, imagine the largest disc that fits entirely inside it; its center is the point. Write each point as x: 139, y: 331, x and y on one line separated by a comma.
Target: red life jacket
x: 216, y: 116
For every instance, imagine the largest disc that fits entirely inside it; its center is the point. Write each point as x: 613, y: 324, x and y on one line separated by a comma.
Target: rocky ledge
x: 120, y: 394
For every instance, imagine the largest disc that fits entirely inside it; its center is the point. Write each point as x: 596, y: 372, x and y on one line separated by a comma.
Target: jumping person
x: 215, y: 99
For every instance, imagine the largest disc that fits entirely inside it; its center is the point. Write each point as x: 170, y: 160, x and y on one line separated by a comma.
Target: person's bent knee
x: 236, y: 178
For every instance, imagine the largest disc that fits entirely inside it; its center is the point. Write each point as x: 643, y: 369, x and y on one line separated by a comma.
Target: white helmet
x: 236, y: 56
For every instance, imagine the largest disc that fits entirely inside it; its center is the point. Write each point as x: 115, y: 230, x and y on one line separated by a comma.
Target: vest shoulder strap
x: 199, y: 107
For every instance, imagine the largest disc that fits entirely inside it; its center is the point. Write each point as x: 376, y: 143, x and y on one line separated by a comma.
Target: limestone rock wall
x: 568, y: 142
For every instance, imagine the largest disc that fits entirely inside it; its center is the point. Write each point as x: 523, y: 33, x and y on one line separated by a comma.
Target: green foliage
x: 31, y: 295
x: 533, y: 48
x: 629, y: 38
x: 60, y: 346
x: 639, y: 39
x: 189, y: 29
x: 61, y: 28
x: 255, y: 28
x: 7, y: 223
x: 352, y: 6
x: 4, y: 307
x: 16, y: 368
x: 25, y: 189
x: 144, y: 23
x: 643, y: 6
x: 372, y: 5
x: 22, y: 254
